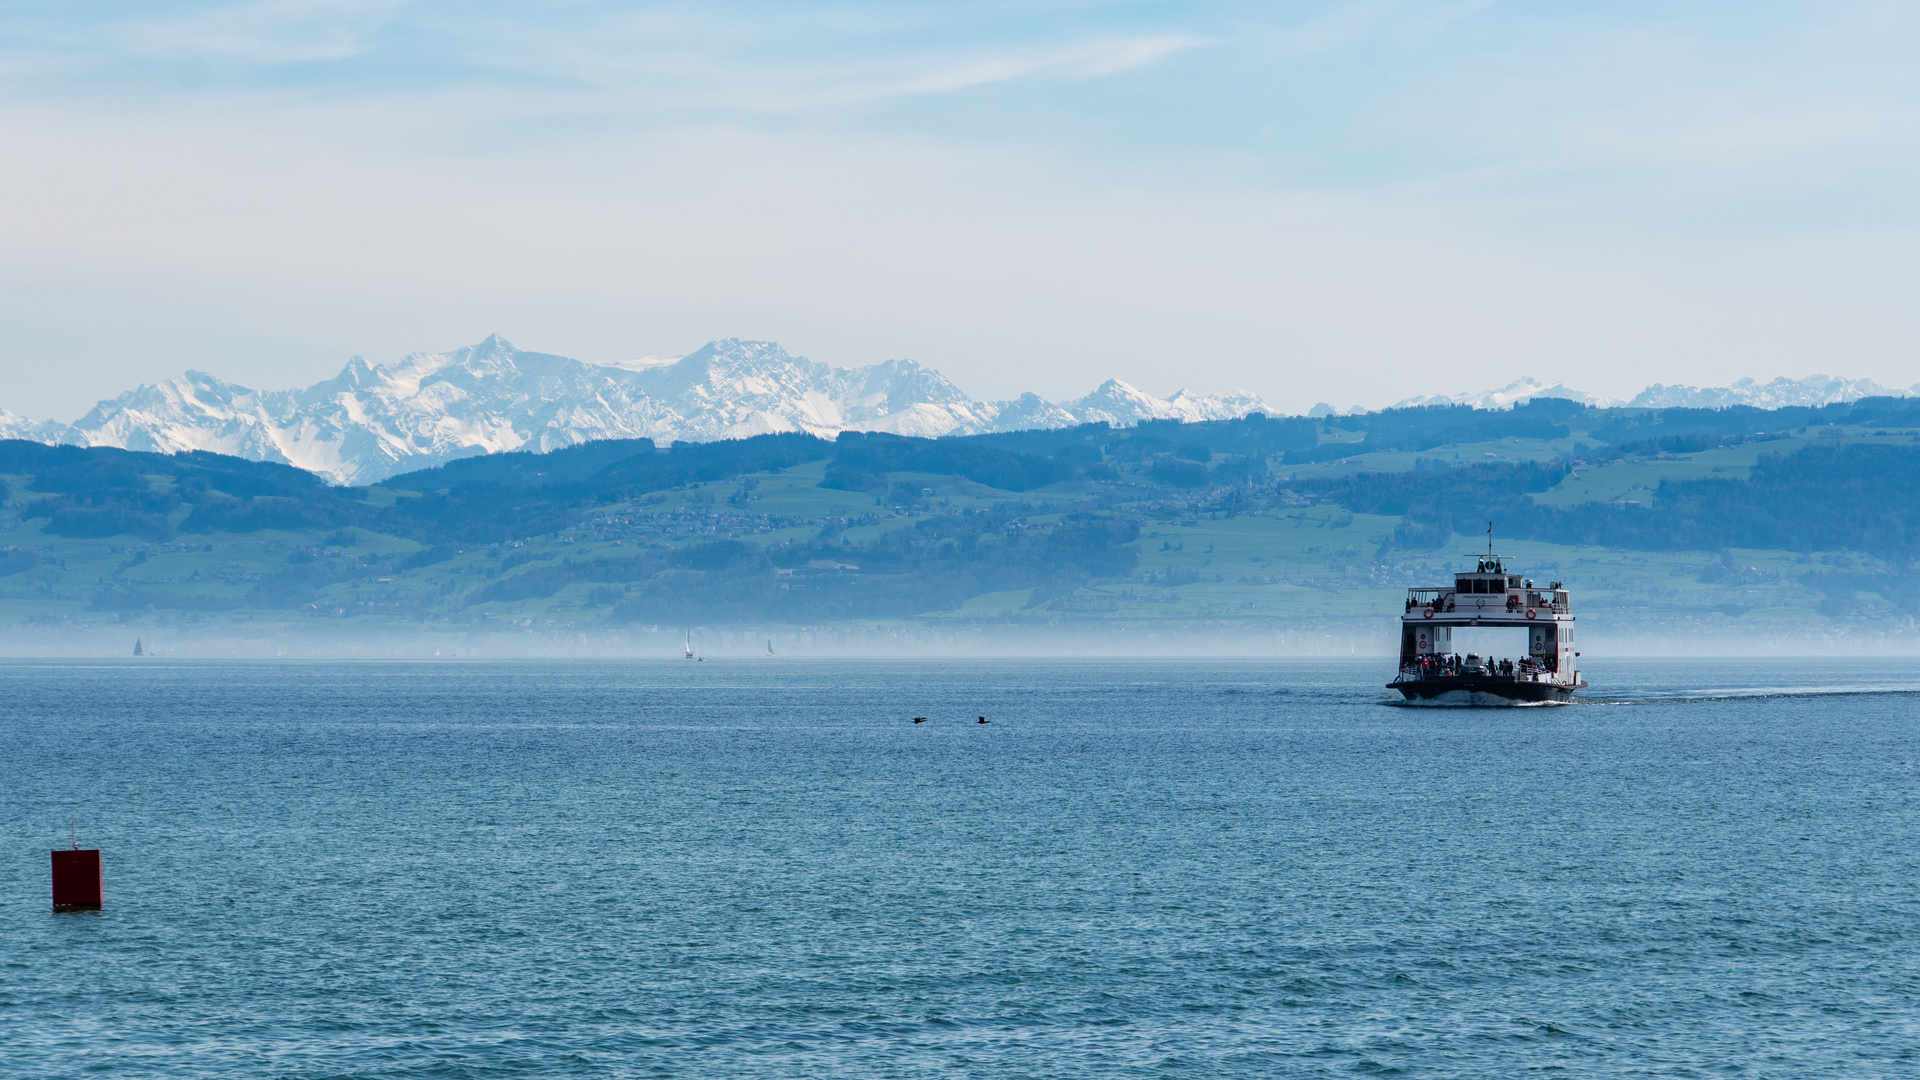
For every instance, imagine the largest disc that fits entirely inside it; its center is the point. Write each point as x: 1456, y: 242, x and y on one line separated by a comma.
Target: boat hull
x: 1490, y: 685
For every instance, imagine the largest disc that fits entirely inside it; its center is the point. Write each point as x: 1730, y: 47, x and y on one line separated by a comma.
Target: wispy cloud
x: 1314, y: 188
x: 262, y: 33
x: 1076, y: 60
x: 778, y: 62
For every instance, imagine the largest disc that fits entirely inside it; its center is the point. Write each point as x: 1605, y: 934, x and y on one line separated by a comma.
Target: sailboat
x: 689, y: 644
x: 137, y: 651
x: 769, y: 646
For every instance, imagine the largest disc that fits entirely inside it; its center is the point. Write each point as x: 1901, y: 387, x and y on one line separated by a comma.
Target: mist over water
x: 600, y: 868
x: 1375, y: 640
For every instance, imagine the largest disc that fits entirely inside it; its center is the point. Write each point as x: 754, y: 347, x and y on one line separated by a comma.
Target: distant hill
x: 1794, y: 517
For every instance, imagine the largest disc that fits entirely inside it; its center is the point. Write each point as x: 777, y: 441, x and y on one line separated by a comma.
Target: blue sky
x: 1352, y: 202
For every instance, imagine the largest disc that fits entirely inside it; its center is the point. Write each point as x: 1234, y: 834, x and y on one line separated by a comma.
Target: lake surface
x: 763, y: 869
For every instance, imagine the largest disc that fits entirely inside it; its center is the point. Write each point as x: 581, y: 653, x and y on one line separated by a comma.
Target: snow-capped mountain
x: 1122, y: 405
x: 374, y: 421
x: 15, y: 426
x: 1520, y: 390
x: 733, y: 389
x: 371, y: 422
x: 1814, y: 390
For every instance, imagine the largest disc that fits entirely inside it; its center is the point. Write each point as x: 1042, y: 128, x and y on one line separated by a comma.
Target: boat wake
x: 1750, y: 693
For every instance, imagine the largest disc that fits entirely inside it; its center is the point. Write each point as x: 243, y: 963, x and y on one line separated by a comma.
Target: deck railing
x: 1445, y: 600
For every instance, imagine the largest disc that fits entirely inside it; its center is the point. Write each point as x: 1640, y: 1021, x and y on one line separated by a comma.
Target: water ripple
x: 764, y: 870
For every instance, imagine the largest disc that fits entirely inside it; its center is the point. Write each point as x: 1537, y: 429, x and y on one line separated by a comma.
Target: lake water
x: 764, y: 869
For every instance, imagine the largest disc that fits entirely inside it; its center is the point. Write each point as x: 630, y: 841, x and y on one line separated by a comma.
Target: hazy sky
x: 1352, y: 202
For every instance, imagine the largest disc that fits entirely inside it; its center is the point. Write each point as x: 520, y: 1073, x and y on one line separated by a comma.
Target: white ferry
x: 1488, y: 597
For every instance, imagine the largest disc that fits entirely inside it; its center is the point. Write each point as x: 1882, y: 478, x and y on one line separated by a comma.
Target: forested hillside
x: 1785, y: 514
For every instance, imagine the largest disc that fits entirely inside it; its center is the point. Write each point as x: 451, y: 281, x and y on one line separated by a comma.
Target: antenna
x: 1489, y: 539
x: 74, y: 825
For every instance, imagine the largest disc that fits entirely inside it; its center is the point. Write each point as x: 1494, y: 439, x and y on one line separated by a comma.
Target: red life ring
x: 1429, y: 613
x: 1531, y: 613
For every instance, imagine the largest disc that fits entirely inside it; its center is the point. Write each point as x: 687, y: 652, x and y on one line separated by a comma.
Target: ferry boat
x: 1488, y: 597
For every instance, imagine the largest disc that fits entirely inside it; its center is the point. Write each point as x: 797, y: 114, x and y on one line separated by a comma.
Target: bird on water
x: 983, y: 719
x: 919, y: 719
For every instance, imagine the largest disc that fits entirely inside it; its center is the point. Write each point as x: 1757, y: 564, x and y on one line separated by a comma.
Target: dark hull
x: 1496, y: 686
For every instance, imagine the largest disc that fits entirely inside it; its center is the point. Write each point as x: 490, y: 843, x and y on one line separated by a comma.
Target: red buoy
x: 77, y: 882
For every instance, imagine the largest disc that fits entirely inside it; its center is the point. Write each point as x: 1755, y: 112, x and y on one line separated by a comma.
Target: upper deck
x: 1490, y: 592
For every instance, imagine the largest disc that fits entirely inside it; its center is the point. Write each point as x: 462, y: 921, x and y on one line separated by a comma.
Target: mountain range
x: 1781, y: 393
x: 373, y: 421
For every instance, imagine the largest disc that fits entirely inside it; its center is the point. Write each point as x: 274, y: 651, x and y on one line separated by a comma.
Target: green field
x: 1256, y: 564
